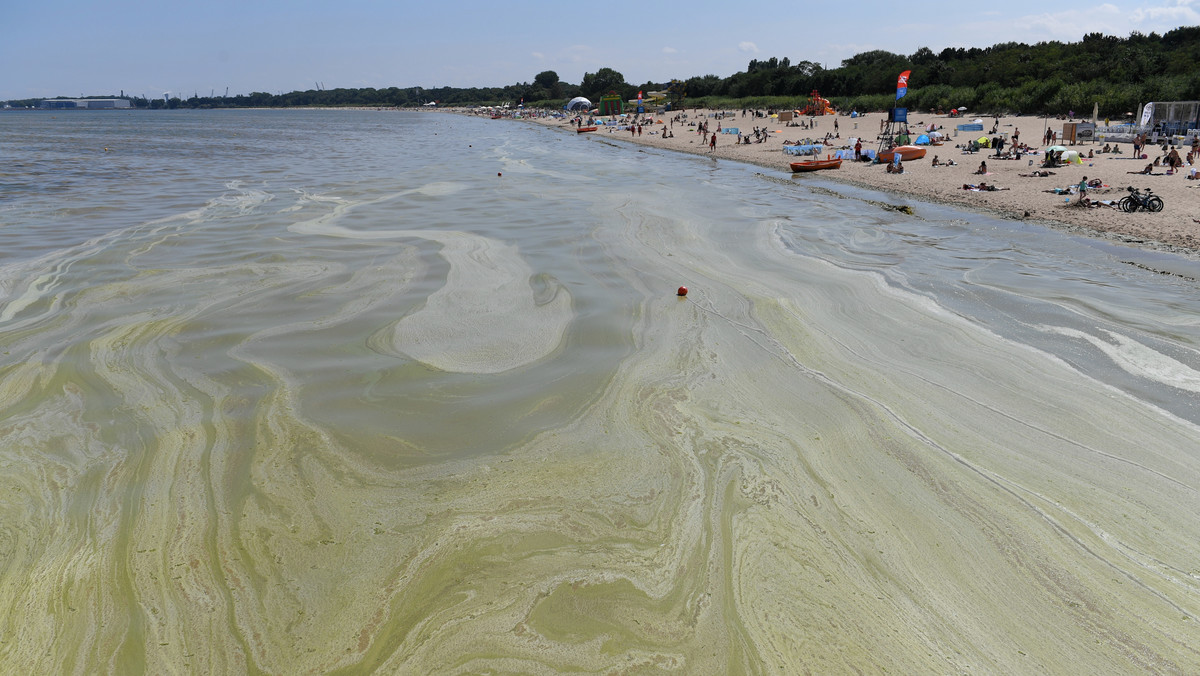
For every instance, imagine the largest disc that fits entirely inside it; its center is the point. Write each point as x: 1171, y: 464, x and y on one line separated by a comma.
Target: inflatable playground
x: 817, y: 106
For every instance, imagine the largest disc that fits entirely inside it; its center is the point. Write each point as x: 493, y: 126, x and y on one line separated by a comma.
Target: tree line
x: 1044, y: 78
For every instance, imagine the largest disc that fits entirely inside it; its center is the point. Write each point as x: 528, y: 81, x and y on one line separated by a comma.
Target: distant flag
x: 639, y: 96
x: 902, y: 84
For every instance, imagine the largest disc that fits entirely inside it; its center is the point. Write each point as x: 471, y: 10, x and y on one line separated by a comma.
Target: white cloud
x: 1177, y: 13
x: 538, y: 55
x: 1070, y: 25
x: 669, y: 50
x: 748, y: 47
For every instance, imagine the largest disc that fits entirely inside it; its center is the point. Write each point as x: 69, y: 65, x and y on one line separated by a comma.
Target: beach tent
x: 1072, y: 156
x: 579, y: 103
x: 985, y: 142
x: 923, y: 139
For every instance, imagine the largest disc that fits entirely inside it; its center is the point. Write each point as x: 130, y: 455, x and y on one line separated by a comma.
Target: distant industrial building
x: 84, y: 104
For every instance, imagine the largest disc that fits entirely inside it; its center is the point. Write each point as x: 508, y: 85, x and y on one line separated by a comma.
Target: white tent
x: 579, y: 103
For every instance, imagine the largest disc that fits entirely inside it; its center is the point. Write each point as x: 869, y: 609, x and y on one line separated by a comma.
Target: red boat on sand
x: 906, y: 153
x: 583, y: 129
x: 815, y: 165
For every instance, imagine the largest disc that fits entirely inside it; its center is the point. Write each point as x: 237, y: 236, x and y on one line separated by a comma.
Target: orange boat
x: 815, y: 165
x: 583, y: 129
x: 906, y: 153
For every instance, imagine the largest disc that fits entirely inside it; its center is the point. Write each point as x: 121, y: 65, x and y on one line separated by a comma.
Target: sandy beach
x: 1022, y: 197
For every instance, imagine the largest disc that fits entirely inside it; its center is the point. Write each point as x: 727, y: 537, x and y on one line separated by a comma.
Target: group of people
x: 982, y: 186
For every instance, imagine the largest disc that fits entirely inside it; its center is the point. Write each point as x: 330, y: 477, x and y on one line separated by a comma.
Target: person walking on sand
x: 857, y: 150
x: 712, y: 144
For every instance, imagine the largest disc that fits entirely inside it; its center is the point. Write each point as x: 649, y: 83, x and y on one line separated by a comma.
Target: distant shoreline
x: 1023, y: 198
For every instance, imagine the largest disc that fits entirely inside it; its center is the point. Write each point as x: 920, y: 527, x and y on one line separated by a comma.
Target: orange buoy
x: 682, y: 291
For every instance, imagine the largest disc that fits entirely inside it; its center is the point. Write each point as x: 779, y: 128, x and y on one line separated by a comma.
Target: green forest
x: 1047, y: 78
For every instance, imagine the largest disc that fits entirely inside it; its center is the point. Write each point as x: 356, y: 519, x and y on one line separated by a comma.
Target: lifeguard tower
x: 895, y: 132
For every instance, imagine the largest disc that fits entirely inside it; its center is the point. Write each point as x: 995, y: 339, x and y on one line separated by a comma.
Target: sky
x: 155, y: 47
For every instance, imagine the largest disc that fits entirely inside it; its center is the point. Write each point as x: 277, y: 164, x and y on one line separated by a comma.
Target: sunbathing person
x: 1148, y: 170
x: 936, y: 163
x: 982, y: 168
x: 1038, y: 173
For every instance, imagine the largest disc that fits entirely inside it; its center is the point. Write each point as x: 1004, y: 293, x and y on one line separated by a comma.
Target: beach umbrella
x: 937, y: 134
x: 1055, y: 149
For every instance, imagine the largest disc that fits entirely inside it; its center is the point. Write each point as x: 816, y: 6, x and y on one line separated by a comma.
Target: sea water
x: 306, y: 391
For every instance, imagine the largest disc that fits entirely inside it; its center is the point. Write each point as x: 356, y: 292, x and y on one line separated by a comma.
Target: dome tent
x: 579, y: 103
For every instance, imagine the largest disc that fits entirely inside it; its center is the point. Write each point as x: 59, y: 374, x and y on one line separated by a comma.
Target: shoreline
x: 1021, y: 198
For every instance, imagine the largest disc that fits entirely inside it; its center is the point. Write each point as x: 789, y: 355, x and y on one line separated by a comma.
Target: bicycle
x: 1147, y: 201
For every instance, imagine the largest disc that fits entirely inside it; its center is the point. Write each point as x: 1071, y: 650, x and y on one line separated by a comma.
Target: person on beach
x: 1083, y: 186
x: 712, y: 144
x: 982, y: 168
x: 936, y: 163
x: 857, y: 150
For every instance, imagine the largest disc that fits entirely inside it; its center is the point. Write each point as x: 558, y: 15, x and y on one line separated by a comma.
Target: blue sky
x: 149, y: 47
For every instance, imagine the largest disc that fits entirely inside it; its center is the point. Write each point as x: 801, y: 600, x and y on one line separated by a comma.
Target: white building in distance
x: 84, y: 104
